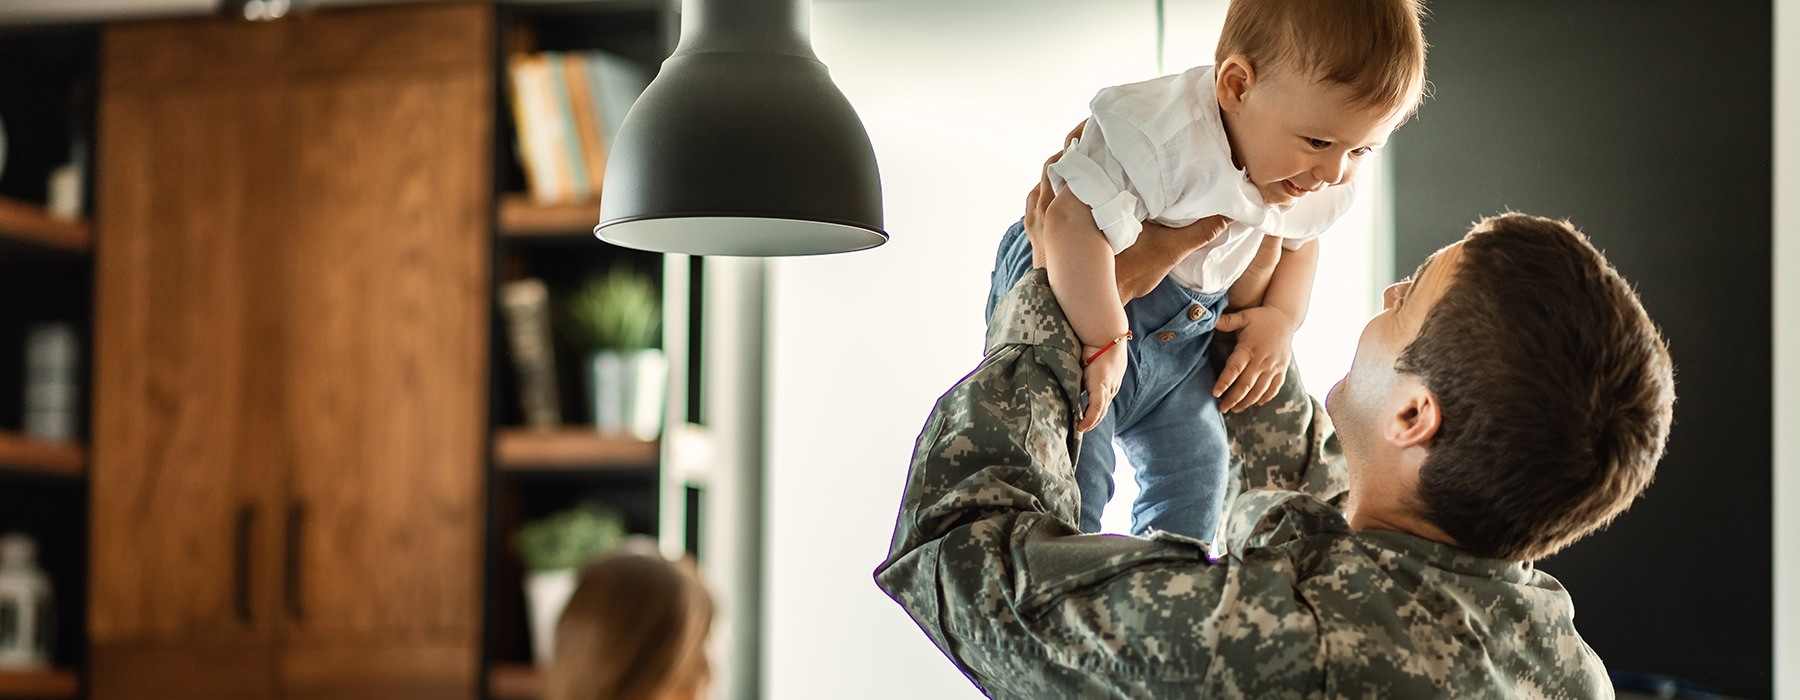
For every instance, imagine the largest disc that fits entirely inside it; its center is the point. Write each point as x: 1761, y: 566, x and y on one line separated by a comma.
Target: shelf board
x: 570, y: 448
x: 31, y: 223
x: 521, y: 216
x: 47, y: 683
x: 515, y: 682
x: 31, y: 454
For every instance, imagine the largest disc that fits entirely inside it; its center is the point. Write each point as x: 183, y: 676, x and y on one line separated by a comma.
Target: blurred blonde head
x: 635, y: 629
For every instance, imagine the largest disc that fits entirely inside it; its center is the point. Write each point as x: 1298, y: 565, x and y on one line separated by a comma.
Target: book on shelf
x: 567, y: 108
x: 573, y: 160
x: 526, y: 305
x: 52, y: 396
x: 584, y: 121
x: 538, y: 144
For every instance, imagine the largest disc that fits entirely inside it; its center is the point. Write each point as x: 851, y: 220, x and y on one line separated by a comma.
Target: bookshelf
x: 26, y: 223
x: 47, y: 277
x: 44, y: 684
x: 538, y: 472
x: 522, y: 217
x: 24, y: 453
x: 515, y: 682
x: 522, y: 449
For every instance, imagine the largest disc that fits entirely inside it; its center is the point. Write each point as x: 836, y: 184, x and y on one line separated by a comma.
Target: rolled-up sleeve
x: 1113, y: 169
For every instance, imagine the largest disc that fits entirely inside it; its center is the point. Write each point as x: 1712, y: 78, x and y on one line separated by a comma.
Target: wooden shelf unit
x: 31, y: 454
x: 571, y: 448
x: 39, y: 685
x: 515, y: 682
x: 26, y: 222
x: 521, y: 216
x: 536, y: 473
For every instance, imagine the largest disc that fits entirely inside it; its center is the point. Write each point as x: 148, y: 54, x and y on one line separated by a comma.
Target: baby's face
x: 1293, y: 137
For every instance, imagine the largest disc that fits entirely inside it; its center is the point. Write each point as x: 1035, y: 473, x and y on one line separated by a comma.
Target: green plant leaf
x: 569, y: 538
x: 620, y: 310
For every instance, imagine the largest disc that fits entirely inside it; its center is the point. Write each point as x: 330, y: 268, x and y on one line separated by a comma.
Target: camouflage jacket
x: 1297, y: 606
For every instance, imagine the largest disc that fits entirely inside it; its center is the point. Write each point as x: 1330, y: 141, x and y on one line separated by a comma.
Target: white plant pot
x: 546, y: 594
x: 25, y: 605
x: 628, y: 389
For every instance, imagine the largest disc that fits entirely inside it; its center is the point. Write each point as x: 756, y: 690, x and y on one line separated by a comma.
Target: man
x: 1511, y: 398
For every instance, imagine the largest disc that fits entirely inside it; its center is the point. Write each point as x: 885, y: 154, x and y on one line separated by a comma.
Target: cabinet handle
x: 246, y: 524
x: 296, y: 521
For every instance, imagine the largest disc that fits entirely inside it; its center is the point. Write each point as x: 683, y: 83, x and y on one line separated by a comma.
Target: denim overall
x: 1164, y: 417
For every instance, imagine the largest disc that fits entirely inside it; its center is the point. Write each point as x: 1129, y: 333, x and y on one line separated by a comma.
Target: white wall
x: 963, y: 100
x: 1787, y: 349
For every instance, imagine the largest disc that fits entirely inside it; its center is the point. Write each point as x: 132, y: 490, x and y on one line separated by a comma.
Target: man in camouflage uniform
x: 1512, y: 399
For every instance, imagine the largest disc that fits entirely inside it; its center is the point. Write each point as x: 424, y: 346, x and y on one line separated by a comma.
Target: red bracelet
x: 1102, y: 351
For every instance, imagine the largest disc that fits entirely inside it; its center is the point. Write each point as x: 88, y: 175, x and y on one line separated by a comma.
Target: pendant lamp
x: 742, y: 145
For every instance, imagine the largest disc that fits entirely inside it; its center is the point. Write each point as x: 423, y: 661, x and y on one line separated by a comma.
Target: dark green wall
x: 1649, y: 125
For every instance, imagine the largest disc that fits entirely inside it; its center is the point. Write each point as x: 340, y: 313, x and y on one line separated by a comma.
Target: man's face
x: 1293, y: 137
x: 1365, y: 397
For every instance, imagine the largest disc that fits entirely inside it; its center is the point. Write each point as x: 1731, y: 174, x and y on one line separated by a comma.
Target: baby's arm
x: 1083, y: 277
x: 1254, y: 372
x: 1251, y: 286
x: 1139, y: 268
x: 1080, y: 265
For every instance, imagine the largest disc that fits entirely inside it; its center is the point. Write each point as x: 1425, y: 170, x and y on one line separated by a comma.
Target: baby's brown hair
x: 1376, y: 48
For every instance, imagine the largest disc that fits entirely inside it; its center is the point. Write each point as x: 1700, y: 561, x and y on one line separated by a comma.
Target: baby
x: 1269, y: 139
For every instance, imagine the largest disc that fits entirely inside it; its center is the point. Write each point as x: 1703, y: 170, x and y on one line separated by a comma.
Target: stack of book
x: 52, y: 400
x: 567, y: 107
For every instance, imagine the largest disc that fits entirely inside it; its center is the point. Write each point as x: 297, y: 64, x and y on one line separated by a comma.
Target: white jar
x: 25, y: 605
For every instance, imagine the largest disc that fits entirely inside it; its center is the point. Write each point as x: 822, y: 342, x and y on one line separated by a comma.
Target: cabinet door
x: 186, y: 459
x: 386, y: 307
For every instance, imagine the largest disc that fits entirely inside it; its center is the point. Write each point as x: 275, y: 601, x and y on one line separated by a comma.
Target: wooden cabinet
x: 290, y: 413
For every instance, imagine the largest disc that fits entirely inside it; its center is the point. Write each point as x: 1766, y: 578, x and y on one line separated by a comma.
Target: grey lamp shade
x: 742, y: 147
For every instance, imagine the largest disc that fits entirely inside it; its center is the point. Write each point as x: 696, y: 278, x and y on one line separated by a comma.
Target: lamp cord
x: 1161, y: 24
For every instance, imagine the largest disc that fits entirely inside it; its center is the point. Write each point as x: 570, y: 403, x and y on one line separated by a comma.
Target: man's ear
x: 1415, y: 423
x: 1232, y: 79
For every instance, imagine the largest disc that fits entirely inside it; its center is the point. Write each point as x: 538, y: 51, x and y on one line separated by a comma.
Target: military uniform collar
x: 1448, y: 558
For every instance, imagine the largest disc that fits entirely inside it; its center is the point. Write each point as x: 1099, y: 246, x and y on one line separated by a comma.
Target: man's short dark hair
x: 1555, y: 391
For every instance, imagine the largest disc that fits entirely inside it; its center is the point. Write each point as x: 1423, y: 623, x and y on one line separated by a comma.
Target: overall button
x: 1166, y: 336
x: 1196, y: 312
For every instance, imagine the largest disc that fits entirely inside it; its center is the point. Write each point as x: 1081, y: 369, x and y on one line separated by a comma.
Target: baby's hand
x: 1257, y: 368
x: 1101, y: 379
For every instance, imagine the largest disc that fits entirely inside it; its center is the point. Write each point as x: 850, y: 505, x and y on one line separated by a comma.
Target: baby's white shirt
x: 1156, y: 150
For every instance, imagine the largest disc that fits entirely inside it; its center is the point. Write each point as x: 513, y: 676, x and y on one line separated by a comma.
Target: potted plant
x: 554, y: 548
x: 615, y: 319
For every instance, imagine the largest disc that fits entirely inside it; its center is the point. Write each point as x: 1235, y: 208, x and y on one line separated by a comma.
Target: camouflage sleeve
x: 1286, y: 444
x: 985, y: 559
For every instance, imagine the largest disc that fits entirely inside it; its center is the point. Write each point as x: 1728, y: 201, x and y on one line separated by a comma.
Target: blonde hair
x: 1376, y: 48
x: 635, y: 629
